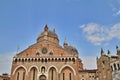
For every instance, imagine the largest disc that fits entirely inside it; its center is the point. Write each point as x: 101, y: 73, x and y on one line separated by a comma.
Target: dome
x: 48, y: 35
x: 71, y: 49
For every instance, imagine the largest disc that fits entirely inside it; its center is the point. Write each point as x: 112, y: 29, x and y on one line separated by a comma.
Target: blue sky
x: 89, y: 25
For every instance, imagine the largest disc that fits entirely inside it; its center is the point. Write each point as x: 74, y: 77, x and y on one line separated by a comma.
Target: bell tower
x: 103, y: 65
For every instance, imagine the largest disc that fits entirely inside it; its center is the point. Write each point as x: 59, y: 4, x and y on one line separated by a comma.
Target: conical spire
x: 46, y: 28
x: 102, y: 52
x: 117, y: 48
x: 65, y: 43
x: 108, y: 51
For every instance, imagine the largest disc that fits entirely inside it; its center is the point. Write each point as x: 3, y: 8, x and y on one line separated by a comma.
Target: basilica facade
x: 47, y: 60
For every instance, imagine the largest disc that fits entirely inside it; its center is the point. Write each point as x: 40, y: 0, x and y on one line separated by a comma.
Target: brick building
x: 4, y: 76
x: 47, y: 60
x: 109, y: 66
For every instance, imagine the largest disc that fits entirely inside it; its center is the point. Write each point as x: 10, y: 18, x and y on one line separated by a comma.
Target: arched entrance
x: 42, y: 77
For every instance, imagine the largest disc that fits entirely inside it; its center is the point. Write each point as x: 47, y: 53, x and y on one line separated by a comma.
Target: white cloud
x: 6, y: 62
x: 89, y: 62
x: 115, y: 4
x: 115, y: 31
x: 97, y: 34
x: 118, y: 12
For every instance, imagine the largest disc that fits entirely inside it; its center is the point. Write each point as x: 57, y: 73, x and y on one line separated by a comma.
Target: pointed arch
x: 18, y: 68
x: 53, y: 67
x: 43, y: 66
x: 20, y: 72
x: 69, y: 67
x: 32, y: 67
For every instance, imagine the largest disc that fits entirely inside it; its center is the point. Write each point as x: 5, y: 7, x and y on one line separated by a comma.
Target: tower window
x: 103, y: 64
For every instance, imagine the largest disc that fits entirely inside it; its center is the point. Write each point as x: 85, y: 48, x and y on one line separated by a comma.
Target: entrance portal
x: 42, y: 77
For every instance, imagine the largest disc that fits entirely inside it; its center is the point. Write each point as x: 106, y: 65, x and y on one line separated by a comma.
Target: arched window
x: 23, y: 75
x: 52, y: 75
x: 43, y: 69
x: 70, y: 78
x: 34, y: 74
x: 18, y: 76
x: 73, y: 59
x: 103, y: 64
x: 63, y: 76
